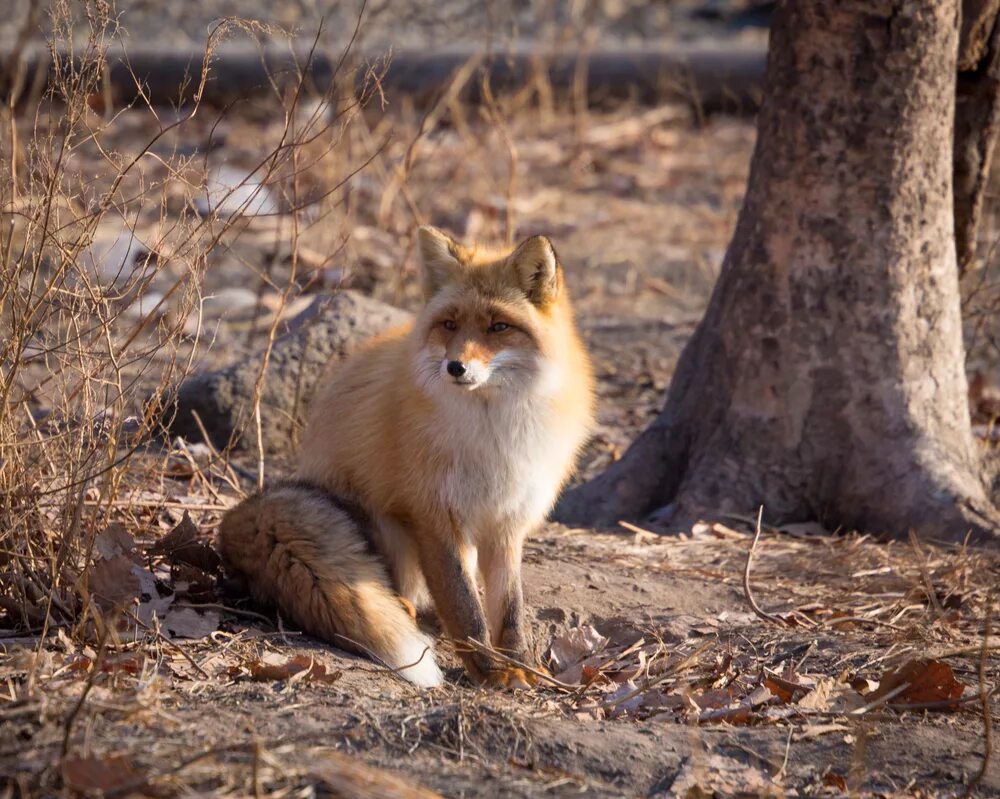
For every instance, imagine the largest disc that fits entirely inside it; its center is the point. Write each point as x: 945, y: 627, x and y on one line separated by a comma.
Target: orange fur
x: 453, y: 471
x: 306, y: 555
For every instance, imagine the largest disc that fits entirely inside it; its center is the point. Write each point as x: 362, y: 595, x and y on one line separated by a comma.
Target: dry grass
x: 108, y: 230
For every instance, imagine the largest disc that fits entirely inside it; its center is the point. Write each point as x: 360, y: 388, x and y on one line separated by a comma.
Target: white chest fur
x: 505, y: 460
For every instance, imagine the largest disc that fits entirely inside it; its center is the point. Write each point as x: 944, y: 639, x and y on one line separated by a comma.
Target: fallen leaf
x: 156, y: 606
x: 184, y: 544
x: 146, y: 582
x: 98, y: 773
x: 123, y: 664
x: 590, y: 674
x: 112, y: 582
x: 740, y: 714
x: 835, y: 780
x: 737, y: 617
x: 627, y: 705
x: 759, y: 696
x: 300, y: 667
x: 716, y: 698
x: 574, y: 646
x: 151, y: 602
x: 183, y: 622
x: 193, y: 584
x: 115, y: 540
x: 780, y: 688
x: 830, y: 696
x: 929, y: 681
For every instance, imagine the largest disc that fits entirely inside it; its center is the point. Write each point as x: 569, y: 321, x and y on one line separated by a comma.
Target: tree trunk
x: 977, y: 118
x: 826, y: 380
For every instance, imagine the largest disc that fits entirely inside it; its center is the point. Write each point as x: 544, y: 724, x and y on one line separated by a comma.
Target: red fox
x: 428, y: 456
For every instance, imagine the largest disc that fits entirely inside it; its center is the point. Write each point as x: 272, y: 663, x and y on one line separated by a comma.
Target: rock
x: 229, y: 300
x: 330, y: 328
x: 234, y: 192
x: 119, y: 257
x: 146, y: 303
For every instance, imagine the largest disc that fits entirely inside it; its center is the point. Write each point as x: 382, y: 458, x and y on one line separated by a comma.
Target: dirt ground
x: 865, y: 672
x: 727, y: 704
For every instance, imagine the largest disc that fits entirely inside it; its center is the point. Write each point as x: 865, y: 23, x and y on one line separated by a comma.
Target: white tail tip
x: 415, y: 661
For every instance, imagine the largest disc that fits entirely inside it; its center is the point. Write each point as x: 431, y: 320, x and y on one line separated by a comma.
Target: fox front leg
x: 453, y: 588
x: 500, y: 566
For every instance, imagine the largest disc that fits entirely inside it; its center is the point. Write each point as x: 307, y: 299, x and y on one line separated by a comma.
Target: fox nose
x: 456, y: 368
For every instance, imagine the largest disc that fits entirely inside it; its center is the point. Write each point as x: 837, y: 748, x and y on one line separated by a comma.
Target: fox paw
x: 510, y: 678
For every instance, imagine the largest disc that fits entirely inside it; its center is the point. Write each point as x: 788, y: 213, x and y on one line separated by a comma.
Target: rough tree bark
x: 977, y: 118
x: 826, y: 380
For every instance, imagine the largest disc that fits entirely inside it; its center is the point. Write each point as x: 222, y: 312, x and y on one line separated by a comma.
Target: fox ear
x: 537, y: 268
x: 439, y: 255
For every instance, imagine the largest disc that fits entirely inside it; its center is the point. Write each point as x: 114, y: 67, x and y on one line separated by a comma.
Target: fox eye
x: 449, y: 324
x: 498, y: 327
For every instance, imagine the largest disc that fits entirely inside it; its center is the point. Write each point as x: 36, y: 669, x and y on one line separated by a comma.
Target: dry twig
x: 746, y: 577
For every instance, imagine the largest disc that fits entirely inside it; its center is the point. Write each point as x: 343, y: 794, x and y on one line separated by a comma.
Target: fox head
x: 494, y: 320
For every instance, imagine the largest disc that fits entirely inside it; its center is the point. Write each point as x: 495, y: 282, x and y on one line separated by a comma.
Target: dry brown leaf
x: 834, y: 780
x: 98, y: 773
x: 113, y: 582
x: 184, y: 544
x: 115, y: 540
x: 298, y: 667
x: 120, y: 664
x: 589, y: 674
x: 783, y: 689
x: 740, y: 714
x: 716, y: 698
x: 929, y: 681
x: 733, y: 712
x: 193, y: 584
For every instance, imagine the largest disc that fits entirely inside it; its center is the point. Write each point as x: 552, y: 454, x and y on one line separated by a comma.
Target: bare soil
x: 158, y: 703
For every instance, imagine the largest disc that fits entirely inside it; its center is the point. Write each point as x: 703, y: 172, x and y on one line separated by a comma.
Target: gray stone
x: 332, y: 327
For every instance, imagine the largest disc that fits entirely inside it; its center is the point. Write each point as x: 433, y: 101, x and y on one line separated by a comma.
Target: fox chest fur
x: 502, y: 461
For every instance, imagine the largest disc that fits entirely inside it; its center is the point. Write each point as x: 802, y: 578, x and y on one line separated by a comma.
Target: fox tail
x: 303, y: 551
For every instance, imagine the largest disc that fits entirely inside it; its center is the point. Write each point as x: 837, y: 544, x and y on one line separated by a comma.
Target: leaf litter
x: 728, y: 670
